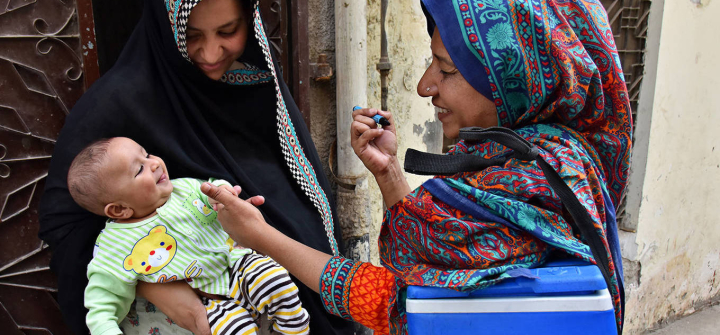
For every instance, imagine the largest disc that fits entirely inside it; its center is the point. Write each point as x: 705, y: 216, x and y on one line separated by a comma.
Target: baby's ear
x: 118, y: 211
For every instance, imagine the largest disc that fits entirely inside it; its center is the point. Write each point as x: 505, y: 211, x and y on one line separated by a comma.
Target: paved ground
x: 706, y: 321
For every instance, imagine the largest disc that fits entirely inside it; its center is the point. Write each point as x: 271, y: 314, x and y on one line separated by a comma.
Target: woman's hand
x: 239, y: 218
x: 377, y: 149
x: 246, y: 226
x: 227, y: 188
x: 179, y: 302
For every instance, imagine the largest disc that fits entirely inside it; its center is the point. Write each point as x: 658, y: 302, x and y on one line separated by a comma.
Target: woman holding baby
x: 548, y: 71
x: 196, y: 85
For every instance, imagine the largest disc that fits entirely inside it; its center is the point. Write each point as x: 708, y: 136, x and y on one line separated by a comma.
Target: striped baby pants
x: 258, y: 285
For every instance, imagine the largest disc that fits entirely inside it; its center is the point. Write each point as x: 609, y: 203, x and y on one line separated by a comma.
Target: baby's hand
x: 226, y: 188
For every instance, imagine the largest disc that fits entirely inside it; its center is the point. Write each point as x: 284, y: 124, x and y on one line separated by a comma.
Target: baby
x: 162, y: 230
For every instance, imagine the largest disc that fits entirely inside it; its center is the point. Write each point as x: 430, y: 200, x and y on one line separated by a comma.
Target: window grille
x: 629, y: 23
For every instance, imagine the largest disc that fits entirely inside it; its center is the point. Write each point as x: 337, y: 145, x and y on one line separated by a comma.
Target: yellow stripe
x: 251, y: 331
x: 227, y: 317
x: 255, y: 264
x: 235, y: 289
x: 295, y: 312
x: 267, y: 274
x: 211, y: 306
x: 291, y: 332
x: 268, y: 300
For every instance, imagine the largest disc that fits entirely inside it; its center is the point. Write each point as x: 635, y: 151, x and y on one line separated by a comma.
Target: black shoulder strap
x: 417, y: 162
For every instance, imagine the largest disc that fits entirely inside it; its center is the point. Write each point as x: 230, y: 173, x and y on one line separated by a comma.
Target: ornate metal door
x: 48, y: 58
x: 41, y: 76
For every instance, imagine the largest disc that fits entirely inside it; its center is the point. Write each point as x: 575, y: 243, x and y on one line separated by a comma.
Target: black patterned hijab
x: 244, y: 128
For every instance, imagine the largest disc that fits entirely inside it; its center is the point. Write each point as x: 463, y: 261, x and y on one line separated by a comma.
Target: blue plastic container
x: 568, y: 297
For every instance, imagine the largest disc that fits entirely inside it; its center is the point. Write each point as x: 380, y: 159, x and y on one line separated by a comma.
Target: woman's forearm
x: 303, y: 262
x: 246, y: 225
x: 392, y: 183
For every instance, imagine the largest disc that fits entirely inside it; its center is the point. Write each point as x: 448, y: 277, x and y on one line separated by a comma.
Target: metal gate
x: 41, y: 76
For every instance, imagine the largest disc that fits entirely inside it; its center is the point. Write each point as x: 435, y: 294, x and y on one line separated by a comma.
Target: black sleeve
x: 71, y: 242
x: 70, y: 258
x: 68, y: 229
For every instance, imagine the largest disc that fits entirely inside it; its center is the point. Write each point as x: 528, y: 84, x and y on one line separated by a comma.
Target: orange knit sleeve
x: 370, y: 293
x: 358, y: 291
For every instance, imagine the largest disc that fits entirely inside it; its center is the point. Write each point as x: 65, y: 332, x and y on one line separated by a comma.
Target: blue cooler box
x: 568, y: 297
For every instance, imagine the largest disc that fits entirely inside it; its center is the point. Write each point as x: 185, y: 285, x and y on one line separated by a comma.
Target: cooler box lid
x: 556, y: 278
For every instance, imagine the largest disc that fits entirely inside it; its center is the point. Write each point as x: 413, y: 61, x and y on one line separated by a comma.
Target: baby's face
x: 136, y: 179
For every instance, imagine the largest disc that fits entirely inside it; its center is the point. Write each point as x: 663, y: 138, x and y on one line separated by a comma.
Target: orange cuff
x: 370, y: 293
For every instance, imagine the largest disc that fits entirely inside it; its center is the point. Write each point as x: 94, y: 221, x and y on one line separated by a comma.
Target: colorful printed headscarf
x: 552, y: 69
x: 549, y: 61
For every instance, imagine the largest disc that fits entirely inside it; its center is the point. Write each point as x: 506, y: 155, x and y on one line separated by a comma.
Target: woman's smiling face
x: 216, y: 35
x: 461, y: 105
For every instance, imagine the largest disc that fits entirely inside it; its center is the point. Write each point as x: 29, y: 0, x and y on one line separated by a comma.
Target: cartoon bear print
x: 152, y: 252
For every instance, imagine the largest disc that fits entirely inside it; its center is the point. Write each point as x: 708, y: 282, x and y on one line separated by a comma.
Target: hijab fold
x: 540, y: 61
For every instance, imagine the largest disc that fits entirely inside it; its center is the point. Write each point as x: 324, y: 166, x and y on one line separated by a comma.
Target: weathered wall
x: 321, y: 38
x: 678, y: 236
x: 415, y: 118
x: 409, y: 53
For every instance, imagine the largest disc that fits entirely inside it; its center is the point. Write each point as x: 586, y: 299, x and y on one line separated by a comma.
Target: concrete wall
x: 676, y: 249
x: 321, y: 37
x: 415, y: 118
x: 409, y: 52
